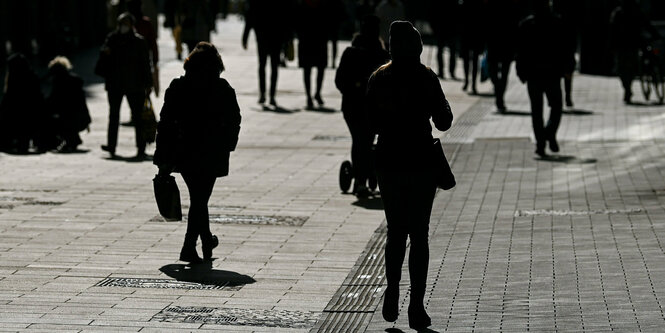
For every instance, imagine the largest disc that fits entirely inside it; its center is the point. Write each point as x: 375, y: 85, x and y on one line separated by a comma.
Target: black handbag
x: 167, y: 196
x: 443, y: 174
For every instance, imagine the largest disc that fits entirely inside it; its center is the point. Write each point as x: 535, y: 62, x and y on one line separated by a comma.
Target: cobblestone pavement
x: 567, y: 244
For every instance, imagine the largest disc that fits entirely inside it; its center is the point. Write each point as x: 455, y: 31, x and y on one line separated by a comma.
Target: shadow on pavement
x: 483, y: 94
x: 578, y: 112
x: 203, y: 273
x: 322, y: 109
x: 513, y: 113
x: 279, y: 109
x: 372, y: 203
x: 132, y: 159
x: 643, y: 104
x: 397, y: 330
x: 567, y: 159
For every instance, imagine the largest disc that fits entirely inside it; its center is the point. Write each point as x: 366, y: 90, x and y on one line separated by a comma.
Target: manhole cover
x: 164, y: 284
x: 551, y: 212
x: 292, y: 221
x: 240, y: 317
x: 331, y: 138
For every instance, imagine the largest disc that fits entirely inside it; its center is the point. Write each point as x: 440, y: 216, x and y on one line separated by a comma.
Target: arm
x: 233, y: 118
x: 442, y: 115
x: 167, y: 131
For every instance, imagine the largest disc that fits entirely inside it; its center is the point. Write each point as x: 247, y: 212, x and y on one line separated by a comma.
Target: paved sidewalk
x: 568, y: 244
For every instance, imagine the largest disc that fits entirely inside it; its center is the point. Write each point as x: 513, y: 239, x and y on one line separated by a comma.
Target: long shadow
x: 132, y: 159
x: 204, y: 274
x: 566, y: 159
x: 482, y: 94
x: 513, y: 113
x: 373, y: 203
x: 645, y: 104
x: 578, y: 112
x: 77, y: 151
x: 322, y: 109
x: 279, y: 109
x: 397, y: 330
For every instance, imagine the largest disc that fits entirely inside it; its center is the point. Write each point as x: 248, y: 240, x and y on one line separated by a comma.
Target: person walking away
x: 125, y: 65
x: 357, y: 64
x: 267, y: 19
x: 197, y: 22
x: 66, y: 105
x: 173, y: 19
x: 542, y: 60
x: 471, y: 40
x: 566, y: 10
x: 443, y: 20
x: 313, y: 45
x: 628, y: 24
x: 144, y: 27
x: 403, y: 96
x: 503, y: 21
x: 21, y: 109
x: 388, y: 11
x: 198, y: 128
x: 338, y: 15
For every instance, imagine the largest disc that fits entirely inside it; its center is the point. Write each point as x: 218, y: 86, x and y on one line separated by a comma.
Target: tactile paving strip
x: 290, y: 221
x: 165, y: 284
x: 238, y: 317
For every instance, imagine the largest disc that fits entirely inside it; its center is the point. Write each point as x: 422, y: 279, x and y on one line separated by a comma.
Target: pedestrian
x: 124, y: 63
x: 444, y: 15
x: 197, y: 21
x: 566, y: 10
x: 403, y: 96
x: 144, y: 27
x: 267, y: 19
x: 66, y: 105
x: 542, y: 60
x: 471, y: 40
x: 628, y: 24
x: 388, y: 11
x: 502, y: 28
x: 22, y: 108
x: 359, y: 61
x: 173, y: 19
x: 337, y: 16
x: 198, y: 128
x: 313, y: 45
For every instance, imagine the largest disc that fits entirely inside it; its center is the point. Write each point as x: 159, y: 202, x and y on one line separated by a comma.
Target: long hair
x: 204, y: 61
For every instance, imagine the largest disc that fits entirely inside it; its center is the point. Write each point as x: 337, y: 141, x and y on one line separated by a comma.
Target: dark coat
x: 544, y: 52
x: 198, y: 126
x: 358, y: 62
x: 66, y: 104
x: 125, y: 63
x: 270, y: 21
x: 22, y: 108
x: 402, y: 98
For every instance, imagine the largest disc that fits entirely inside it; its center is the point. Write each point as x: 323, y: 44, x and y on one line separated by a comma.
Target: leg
x: 505, y: 70
x: 334, y: 51
x: 466, y: 62
x: 136, y: 102
x: 536, y: 98
x: 263, y: 59
x: 274, y: 72
x: 200, y: 188
x: 115, y: 99
x: 493, y: 67
x: 307, y: 72
x: 474, y: 75
x: 554, y: 99
x: 320, y: 71
x: 452, y: 57
x: 439, y: 58
x: 568, y: 86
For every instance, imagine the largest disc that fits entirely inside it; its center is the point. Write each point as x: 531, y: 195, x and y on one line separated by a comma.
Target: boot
x: 390, y: 309
x: 188, y: 252
x: 207, y: 244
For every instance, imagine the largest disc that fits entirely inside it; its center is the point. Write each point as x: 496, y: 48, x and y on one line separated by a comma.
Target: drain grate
x: 550, y: 212
x: 239, y: 317
x: 291, y: 221
x: 43, y: 203
x: 331, y: 138
x: 165, y: 284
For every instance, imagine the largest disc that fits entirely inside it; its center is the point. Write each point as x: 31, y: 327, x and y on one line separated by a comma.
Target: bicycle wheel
x: 345, y: 176
x: 658, y: 86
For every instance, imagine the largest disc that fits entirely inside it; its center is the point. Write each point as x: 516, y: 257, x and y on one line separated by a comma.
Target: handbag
x: 444, y: 177
x: 167, y: 196
x: 484, y: 68
x: 148, y: 121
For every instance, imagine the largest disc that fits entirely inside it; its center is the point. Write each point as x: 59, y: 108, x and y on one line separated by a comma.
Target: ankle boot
x: 207, y: 244
x: 418, y: 318
x: 188, y: 252
x: 390, y: 309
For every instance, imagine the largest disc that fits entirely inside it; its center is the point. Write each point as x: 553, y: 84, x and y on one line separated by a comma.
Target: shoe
x: 390, y: 309
x: 441, y: 76
x: 554, y: 146
x: 569, y: 103
x: 362, y: 192
x: 474, y: 91
x: 310, y: 104
x: 418, y: 318
x: 207, y: 246
x: 109, y: 150
x: 466, y: 85
x: 318, y: 99
x: 540, y: 151
x: 189, y: 254
x: 262, y: 99
x: 273, y: 102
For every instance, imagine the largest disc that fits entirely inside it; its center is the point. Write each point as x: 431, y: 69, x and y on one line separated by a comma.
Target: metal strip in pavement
x: 290, y: 221
x: 237, y: 317
x: 165, y: 284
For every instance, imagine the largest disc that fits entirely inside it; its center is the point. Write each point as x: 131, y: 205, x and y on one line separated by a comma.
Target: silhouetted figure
x: 125, y: 65
x: 66, y: 105
x: 313, y: 31
x: 444, y: 16
x: 173, y: 19
x: 198, y: 128
x: 628, y: 26
x: 503, y: 18
x: 402, y: 97
x: 337, y: 15
x: 471, y: 40
x: 144, y: 27
x: 267, y: 18
x: 565, y: 10
x: 388, y: 11
x: 22, y: 108
x: 542, y: 61
x: 191, y: 21
x: 358, y: 62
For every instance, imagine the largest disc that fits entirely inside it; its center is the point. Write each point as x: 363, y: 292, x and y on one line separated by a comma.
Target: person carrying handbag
x: 198, y: 128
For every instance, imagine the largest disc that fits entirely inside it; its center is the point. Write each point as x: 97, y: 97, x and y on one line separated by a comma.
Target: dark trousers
x: 627, y: 63
x: 273, y: 51
x: 361, y: 147
x: 407, y: 200
x: 452, y: 57
x: 136, y: 100
x: 200, y: 188
x: 499, y: 67
x: 470, y: 58
x: 550, y: 87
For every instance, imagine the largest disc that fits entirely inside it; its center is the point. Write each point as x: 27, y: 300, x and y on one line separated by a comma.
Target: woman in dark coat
x: 403, y: 96
x: 359, y: 61
x: 313, y: 31
x: 66, y: 105
x: 22, y: 109
x: 198, y: 128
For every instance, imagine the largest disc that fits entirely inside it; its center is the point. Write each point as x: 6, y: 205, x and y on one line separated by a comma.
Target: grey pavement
x: 568, y: 244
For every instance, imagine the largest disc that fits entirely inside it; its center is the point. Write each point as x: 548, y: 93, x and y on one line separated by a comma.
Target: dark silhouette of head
x: 59, y: 65
x: 405, y: 42
x: 204, y: 61
x: 126, y: 22
x: 369, y: 26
